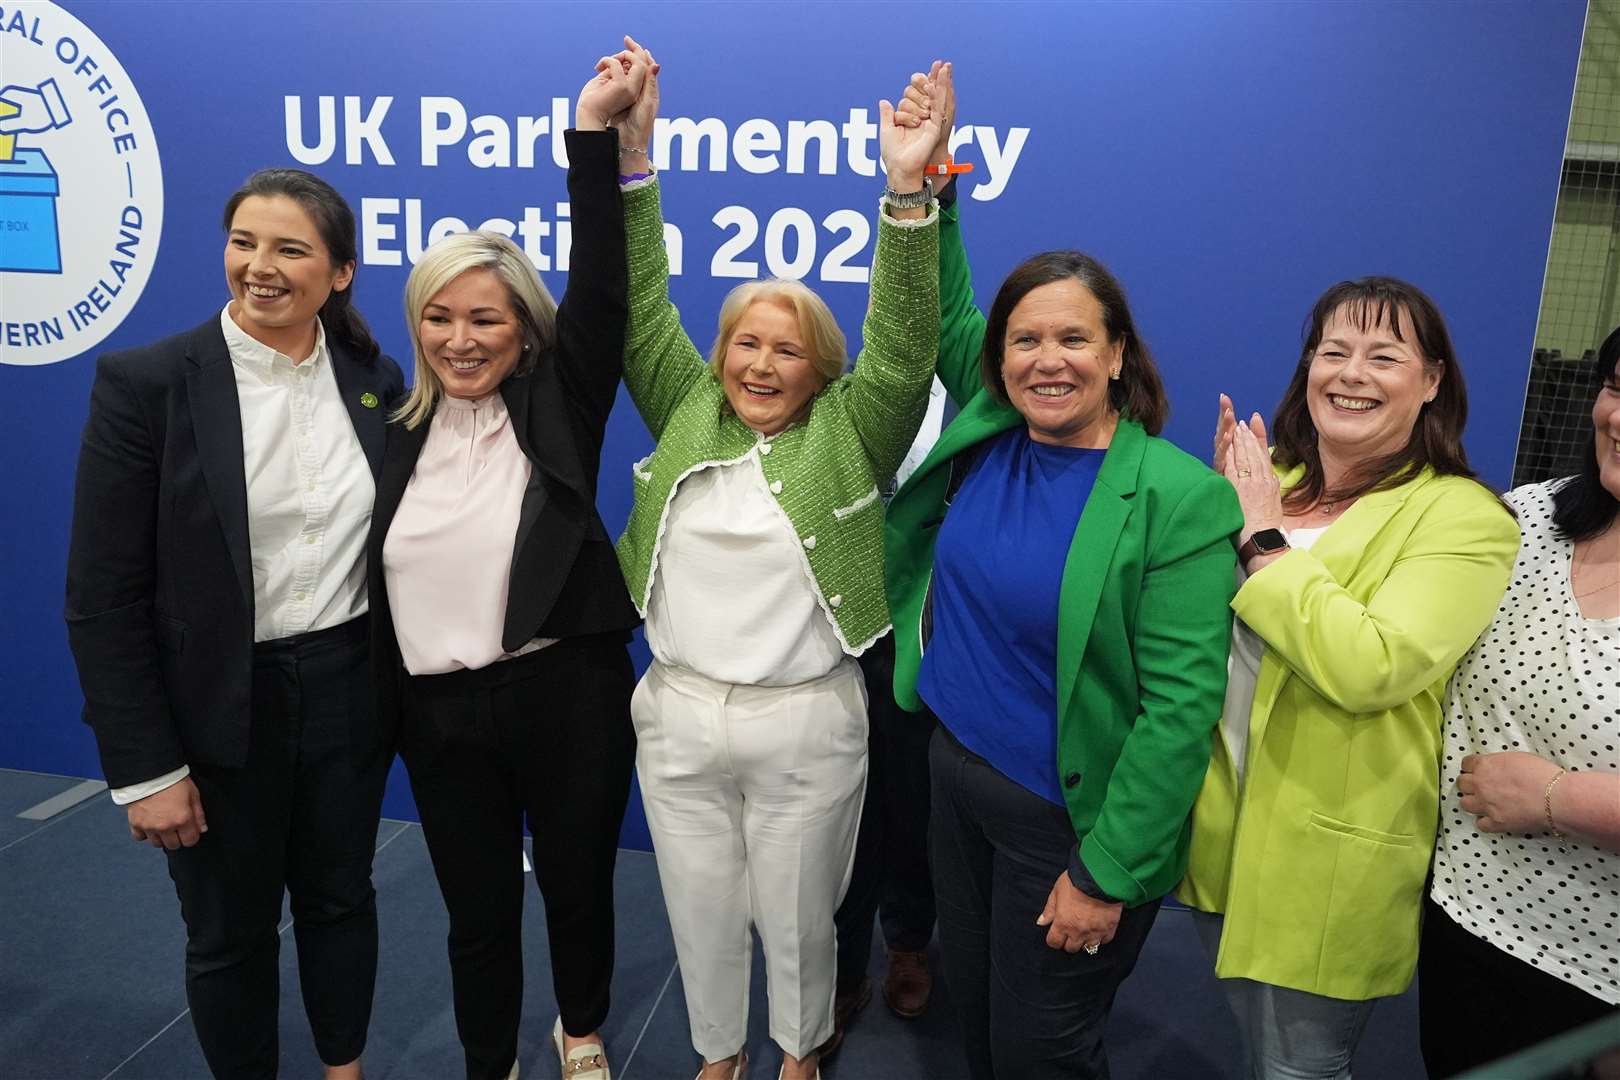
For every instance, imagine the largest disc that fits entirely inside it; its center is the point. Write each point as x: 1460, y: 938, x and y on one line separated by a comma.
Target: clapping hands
x: 1244, y: 458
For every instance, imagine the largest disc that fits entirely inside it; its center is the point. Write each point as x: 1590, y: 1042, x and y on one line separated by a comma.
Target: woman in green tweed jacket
x: 754, y: 551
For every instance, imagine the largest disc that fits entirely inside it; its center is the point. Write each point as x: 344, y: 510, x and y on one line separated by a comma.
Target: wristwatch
x: 910, y: 200
x: 1263, y: 542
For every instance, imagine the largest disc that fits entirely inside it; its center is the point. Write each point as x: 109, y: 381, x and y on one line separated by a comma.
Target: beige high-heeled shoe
x: 739, y: 1071
x: 588, y: 1062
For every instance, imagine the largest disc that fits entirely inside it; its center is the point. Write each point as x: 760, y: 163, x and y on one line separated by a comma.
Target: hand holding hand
x: 635, y: 124
x: 907, y: 143
x: 611, y: 92
x: 1506, y: 791
x: 1075, y: 920
x: 916, y: 104
x: 173, y: 818
x: 1248, y: 467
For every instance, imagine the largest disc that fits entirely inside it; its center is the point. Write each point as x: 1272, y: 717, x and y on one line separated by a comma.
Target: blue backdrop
x: 1229, y: 162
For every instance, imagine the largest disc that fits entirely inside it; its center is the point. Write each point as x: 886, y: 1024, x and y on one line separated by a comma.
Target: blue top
x: 990, y: 670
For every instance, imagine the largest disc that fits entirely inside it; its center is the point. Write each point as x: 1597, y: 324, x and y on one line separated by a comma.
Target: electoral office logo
x: 81, y: 187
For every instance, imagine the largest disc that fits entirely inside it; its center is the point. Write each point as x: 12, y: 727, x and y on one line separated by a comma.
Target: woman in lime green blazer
x: 1077, y: 666
x: 1374, y: 558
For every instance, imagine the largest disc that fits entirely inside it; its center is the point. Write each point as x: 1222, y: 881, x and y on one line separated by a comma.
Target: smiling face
x: 470, y: 334
x: 769, y: 371
x: 279, y: 272
x: 1366, y: 387
x: 1606, y: 433
x: 1056, y: 363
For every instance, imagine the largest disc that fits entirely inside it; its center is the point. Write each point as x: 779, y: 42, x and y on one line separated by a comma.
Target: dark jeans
x: 890, y: 878
x: 299, y: 816
x: 1477, y: 1003
x: 1027, y: 1011
x: 545, y: 736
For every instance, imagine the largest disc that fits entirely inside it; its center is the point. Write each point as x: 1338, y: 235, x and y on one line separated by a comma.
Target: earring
x: 525, y: 346
x: 1114, y: 374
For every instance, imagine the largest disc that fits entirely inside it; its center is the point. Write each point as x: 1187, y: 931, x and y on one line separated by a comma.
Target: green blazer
x: 1143, y: 621
x: 824, y: 471
x: 1318, y: 859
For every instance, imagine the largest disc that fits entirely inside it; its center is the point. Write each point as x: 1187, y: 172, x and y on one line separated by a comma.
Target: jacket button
x: 834, y: 601
x: 776, y: 487
x: 1072, y: 780
x: 810, y: 543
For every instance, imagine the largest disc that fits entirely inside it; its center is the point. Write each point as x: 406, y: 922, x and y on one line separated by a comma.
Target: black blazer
x: 160, y: 579
x: 565, y: 578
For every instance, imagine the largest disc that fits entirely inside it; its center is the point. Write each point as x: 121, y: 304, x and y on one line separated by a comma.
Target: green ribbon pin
x: 368, y: 399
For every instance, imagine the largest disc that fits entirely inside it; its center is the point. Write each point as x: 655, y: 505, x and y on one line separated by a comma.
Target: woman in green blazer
x: 1076, y: 657
x: 1373, y: 560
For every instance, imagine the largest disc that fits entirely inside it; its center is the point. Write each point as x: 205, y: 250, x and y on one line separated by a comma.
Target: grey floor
x: 91, y: 982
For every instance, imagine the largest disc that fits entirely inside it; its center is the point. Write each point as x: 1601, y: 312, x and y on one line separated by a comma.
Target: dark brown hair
x: 1138, y: 392
x: 335, y: 222
x: 1436, y: 439
x: 1583, y: 508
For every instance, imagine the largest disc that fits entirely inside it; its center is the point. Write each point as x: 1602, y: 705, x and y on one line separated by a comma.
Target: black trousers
x: 890, y: 878
x: 547, y: 737
x: 301, y: 817
x: 1477, y: 1003
x: 1027, y: 1011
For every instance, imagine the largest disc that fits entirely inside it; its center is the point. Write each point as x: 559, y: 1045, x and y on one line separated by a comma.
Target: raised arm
x: 961, y: 323
x: 660, y: 361
x: 887, y: 393
x: 591, y: 317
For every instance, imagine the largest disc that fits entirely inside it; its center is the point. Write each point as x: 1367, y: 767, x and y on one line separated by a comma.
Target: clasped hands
x: 1244, y: 458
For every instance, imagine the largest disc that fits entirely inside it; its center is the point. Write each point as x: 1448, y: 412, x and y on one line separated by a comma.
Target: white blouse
x: 1243, y: 666
x: 732, y: 595
x: 1543, y: 679
x: 447, y: 559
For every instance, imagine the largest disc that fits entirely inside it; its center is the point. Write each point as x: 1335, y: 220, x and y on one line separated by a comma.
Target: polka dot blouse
x: 1546, y: 680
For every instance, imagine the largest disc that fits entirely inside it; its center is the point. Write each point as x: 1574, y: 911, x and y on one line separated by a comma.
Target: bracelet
x: 1546, y: 804
x: 623, y: 150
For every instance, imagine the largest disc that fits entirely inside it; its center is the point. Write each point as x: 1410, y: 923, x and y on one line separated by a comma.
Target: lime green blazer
x: 1318, y: 859
x: 1143, y: 621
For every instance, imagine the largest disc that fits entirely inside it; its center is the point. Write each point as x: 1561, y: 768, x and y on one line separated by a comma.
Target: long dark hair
x: 1436, y: 440
x: 335, y: 221
x: 1583, y: 507
x: 1138, y: 392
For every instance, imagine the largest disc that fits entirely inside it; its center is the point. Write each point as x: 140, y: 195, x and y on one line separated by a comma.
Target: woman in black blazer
x: 501, y: 618
x: 216, y: 607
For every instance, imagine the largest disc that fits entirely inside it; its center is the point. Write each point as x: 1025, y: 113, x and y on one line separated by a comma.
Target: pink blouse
x: 447, y: 560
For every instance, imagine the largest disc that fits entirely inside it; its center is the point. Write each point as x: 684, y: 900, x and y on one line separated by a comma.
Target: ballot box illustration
x: 29, y: 242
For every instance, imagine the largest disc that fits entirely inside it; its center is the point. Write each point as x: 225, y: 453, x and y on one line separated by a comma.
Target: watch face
x: 1269, y: 540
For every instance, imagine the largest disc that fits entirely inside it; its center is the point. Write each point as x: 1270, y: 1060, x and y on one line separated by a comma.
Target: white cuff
x: 123, y: 796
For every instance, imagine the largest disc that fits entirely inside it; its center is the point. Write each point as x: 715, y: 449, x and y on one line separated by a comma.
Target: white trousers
x: 753, y: 796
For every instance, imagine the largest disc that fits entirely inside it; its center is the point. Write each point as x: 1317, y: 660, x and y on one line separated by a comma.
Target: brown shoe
x: 845, y: 1006
x: 907, y: 985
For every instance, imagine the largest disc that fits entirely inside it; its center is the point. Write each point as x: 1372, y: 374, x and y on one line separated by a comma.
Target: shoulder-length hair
x: 1436, y: 440
x: 335, y: 222
x: 1583, y: 508
x: 447, y: 260
x: 829, y: 352
x: 1139, y: 391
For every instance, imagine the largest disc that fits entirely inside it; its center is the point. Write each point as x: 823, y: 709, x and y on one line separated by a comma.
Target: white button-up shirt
x: 309, y: 496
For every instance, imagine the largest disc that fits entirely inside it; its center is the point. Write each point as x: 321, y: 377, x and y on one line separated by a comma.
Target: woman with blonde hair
x: 754, y: 550
x: 499, y: 617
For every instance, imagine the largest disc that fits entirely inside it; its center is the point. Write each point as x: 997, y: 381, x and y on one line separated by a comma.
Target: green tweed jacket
x: 824, y: 471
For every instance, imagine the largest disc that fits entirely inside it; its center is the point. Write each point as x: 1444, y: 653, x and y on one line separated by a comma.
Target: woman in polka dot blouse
x: 1522, y: 935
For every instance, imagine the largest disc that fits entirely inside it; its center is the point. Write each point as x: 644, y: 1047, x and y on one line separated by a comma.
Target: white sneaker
x: 587, y: 1062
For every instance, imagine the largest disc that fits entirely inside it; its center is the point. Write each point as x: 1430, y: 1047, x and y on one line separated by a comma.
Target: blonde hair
x: 447, y: 260
x: 829, y: 353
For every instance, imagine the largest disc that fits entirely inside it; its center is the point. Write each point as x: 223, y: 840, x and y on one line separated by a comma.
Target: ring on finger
x: 1092, y: 947
x: 1245, y: 472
